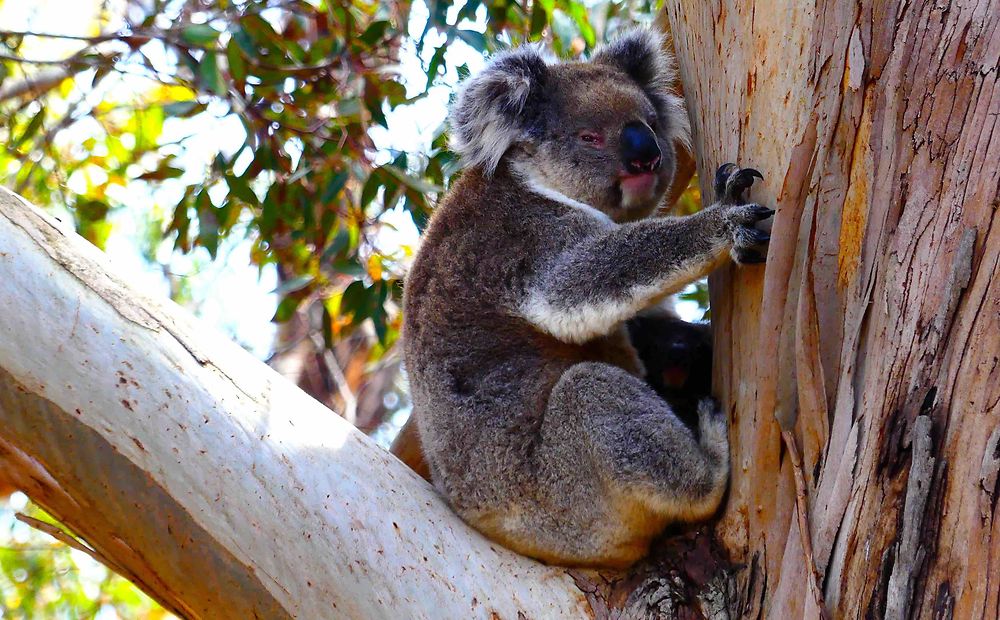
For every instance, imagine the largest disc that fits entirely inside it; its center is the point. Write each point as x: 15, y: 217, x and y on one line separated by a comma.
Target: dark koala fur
x: 531, y: 401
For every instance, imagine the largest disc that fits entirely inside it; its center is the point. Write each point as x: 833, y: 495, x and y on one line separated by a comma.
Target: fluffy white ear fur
x: 642, y: 54
x: 488, y: 115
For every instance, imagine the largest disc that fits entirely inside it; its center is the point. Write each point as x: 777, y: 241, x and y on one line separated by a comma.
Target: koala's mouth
x: 637, y: 188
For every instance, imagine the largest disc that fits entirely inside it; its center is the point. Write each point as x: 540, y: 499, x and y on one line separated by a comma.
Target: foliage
x: 306, y: 83
x: 40, y: 578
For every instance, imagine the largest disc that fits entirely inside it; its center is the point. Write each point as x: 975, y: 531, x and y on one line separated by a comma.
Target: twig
x: 63, y: 537
x: 71, y: 37
x: 37, y: 61
x: 336, y: 373
x: 35, y: 85
x: 801, y: 505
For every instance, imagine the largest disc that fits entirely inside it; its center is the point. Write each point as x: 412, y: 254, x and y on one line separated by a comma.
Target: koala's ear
x: 640, y: 53
x: 498, y: 106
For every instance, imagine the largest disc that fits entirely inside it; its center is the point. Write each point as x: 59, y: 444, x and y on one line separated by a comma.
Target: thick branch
x: 175, y: 454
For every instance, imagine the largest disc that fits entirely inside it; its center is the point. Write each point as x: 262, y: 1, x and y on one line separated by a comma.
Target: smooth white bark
x: 208, y: 477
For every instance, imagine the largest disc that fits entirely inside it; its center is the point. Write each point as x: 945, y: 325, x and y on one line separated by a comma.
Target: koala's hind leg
x: 651, y: 470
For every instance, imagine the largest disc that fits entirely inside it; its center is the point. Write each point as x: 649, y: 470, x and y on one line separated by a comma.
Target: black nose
x: 639, y: 149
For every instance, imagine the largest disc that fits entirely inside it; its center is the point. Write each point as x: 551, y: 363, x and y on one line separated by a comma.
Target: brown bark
x: 875, y: 327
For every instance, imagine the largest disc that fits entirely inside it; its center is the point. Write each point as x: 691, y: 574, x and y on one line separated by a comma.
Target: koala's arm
x: 592, y: 287
x: 589, y: 289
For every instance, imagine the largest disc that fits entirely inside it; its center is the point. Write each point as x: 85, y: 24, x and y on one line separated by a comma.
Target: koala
x: 530, y: 397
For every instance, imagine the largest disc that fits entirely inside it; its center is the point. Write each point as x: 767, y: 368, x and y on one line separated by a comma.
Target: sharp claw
x: 761, y: 236
x: 762, y: 213
x: 721, y: 179
x: 754, y: 173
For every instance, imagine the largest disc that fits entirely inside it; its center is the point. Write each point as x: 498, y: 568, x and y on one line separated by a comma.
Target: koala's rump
x: 481, y: 405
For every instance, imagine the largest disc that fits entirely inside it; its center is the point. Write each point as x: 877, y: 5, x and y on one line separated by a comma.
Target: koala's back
x: 480, y: 374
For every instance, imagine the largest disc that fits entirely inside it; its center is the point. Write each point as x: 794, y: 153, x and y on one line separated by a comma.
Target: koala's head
x: 601, y: 132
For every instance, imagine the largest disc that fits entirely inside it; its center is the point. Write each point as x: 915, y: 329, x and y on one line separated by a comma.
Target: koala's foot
x: 713, y: 431
x: 731, y: 184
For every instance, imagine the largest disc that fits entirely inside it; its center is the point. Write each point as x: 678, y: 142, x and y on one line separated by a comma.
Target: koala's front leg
x: 590, y: 289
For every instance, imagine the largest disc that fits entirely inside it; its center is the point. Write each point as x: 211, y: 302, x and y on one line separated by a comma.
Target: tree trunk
x: 874, y: 331
x: 211, y: 482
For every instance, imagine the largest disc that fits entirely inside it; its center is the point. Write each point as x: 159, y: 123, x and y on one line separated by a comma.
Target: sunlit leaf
x: 237, y: 66
x: 286, y: 309
x: 164, y: 172
x: 210, y: 74
x: 476, y: 40
x: 33, y: 126
x: 201, y: 35
x: 295, y: 284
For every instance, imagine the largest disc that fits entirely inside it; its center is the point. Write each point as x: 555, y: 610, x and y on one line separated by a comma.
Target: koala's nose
x: 639, y: 150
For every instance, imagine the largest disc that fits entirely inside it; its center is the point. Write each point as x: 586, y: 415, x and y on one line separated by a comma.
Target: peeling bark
x: 877, y: 316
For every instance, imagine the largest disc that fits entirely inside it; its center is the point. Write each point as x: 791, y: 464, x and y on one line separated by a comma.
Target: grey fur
x: 535, y: 419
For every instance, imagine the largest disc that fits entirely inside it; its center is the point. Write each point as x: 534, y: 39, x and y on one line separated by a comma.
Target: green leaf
x: 412, y: 182
x: 268, y: 215
x: 370, y: 189
x: 210, y: 75
x: 374, y: 32
x: 333, y: 188
x: 201, y: 35
x: 181, y: 223
x: 160, y: 174
x: 33, y: 126
x: 341, y: 242
x: 208, y: 223
x: 239, y: 188
x: 468, y: 11
x: 349, y: 267
x: 435, y: 63
x: 92, y: 210
x: 182, y: 109
x: 237, y: 66
x: 474, y: 39
x: 349, y: 107
x: 354, y: 301
x: 295, y: 284
x: 579, y: 13
x: 245, y: 42
x: 286, y: 309
x: 539, y: 19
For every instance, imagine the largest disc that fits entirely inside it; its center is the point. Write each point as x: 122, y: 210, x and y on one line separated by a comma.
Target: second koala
x: 531, y: 401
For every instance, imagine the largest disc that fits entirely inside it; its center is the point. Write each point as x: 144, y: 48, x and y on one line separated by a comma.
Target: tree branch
x: 205, y: 462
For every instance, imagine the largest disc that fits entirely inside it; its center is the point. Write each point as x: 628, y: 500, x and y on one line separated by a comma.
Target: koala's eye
x: 591, y: 138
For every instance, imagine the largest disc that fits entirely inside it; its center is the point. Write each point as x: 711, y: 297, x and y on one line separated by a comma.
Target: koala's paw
x: 731, y: 183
